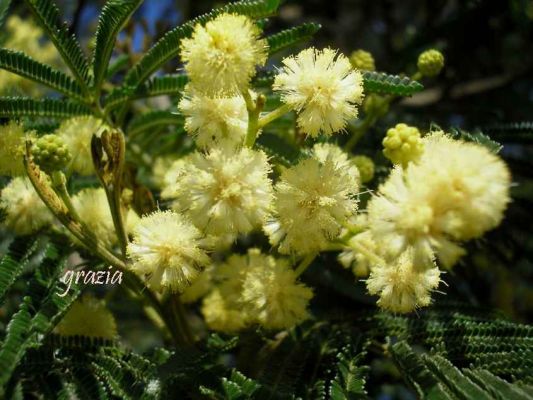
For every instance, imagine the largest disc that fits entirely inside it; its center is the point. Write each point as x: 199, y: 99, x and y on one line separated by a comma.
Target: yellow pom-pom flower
x: 166, y: 250
x: 222, y: 56
x: 272, y: 294
x: 464, y: 193
x: 360, y: 254
x: 93, y: 209
x: 199, y: 288
x: 313, y: 198
x: 88, y: 317
x: 362, y: 59
x: 215, y: 120
x: 223, y: 192
x: 403, y: 144
x: 25, y: 211
x: 222, y: 313
x: 430, y: 62
x: 469, y: 183
x: 403, y: 286
x: 322, y: 87
x: 12, y: 149
x: 77, y: 133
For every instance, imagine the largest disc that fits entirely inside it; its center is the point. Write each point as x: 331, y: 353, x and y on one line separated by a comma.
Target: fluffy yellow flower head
x: 469, y: 183
x: 403, y: 144
x: 25, y: 211
x: 160, y: 169
x: 402, y: 215
x: 92, y: 207
x: 12, y: 149
x: 214, y: 120
x: 313, y: 198
x: 403, y: 286
x: 456, y: 191
x: 88, y: 317
x: 360, y: 254
x: 222, y: 313
x: 221, y: 57
x: 271, y: 293
x: 223, y: 308
x: 221, y: 192
x: 166, y: 249
x: 322, y: 87
x: 199, y: 287
x: 77, y: 133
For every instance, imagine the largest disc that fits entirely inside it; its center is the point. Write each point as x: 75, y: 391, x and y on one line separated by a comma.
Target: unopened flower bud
x: 51, y: 153
x: 403, y: 144
x: 362, y: 59
x: 430, y: 62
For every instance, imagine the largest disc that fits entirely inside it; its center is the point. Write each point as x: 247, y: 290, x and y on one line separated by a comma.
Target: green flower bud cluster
x: 403, y: 144
x: 430, y: 63
x: 362, y: 59
x: 365, y: 165
x: 51, y: 153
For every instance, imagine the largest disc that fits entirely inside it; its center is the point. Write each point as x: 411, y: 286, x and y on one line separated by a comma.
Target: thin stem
x: 59, y: 184
x: 359, y: 131
x: 273, y: 115
x: 182, y: 318
x: 306, y: 262
x: 254, y: 109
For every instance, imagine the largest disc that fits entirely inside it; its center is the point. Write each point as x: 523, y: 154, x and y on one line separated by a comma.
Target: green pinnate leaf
x: 23, y: 65
x: 382, y: 83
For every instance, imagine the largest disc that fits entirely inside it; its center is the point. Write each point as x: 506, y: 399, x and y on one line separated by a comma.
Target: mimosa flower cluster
x: 228, y: 191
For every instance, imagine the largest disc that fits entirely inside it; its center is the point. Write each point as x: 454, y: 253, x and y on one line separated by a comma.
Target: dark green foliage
x: 380, y: 82
x: 23, y: 65
x: 48, y: 16
x: 168, y: 46
x: 514, y: 132
x: 434, y: 377
x: 290, y: 37
x: 477, y: 137
x: 114, y: 16
x: 13, y: 107
x: 469, y: 337
x: 4, y: 7
x: 163, y: 85
x: 277, y: 147
x: 153, y: 119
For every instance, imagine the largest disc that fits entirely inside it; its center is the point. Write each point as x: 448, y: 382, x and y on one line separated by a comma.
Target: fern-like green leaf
x: 152, y: 120
x: 379, y: 82
x: 118, y: 64
x: 515, y: 132
x: 114, y: 16
x: 170, y: 85
x: 168, y: 46
x: 349, y: 381
x: 477, y: 137
x: 4, y: 7
x: 48, y: 16
x: 23, y: 65
x: 13, y: 263
x: 13, y: 347
x: 11, y: 107
x: 292, y: 36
